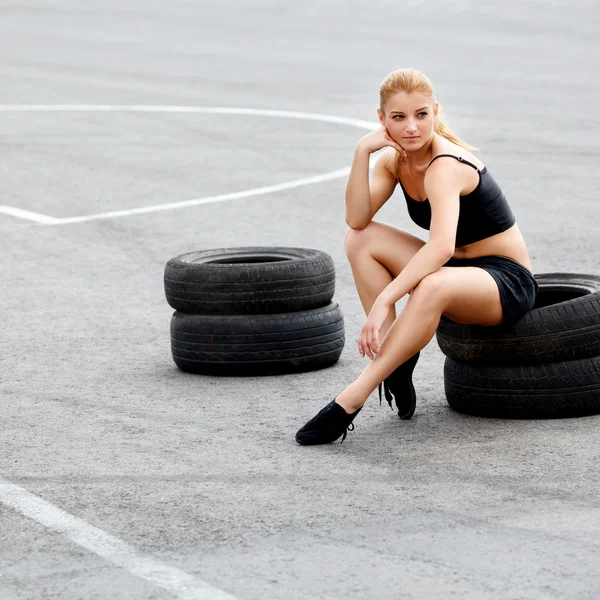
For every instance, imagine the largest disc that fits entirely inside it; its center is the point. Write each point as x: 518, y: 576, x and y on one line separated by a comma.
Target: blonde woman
x: 474, y: 268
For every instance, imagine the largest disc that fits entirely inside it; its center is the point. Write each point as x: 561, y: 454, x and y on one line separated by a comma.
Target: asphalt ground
x: 123, y: 477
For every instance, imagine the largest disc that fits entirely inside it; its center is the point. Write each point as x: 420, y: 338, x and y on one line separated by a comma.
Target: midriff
x: 508, y: 243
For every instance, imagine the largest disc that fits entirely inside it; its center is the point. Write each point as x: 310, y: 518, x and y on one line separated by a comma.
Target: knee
x: 431, y: 291
x: 357, y: 240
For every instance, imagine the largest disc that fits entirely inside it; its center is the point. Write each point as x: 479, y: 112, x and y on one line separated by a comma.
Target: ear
x: 381, y: 116
x: 436, y: 109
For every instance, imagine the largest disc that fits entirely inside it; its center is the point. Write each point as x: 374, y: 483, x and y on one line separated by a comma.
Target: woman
x: 475, y: 268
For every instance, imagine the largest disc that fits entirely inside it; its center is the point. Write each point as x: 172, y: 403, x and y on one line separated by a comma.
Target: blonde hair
x: 409, y: 81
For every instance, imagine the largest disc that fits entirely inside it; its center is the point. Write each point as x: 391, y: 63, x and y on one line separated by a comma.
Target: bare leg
x: 409, y: 333
x: 371, y: 278
x: 377, y: 255
x: 468, y: 294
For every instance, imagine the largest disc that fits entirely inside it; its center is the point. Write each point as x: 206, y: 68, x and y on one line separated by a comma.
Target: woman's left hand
x: 368, y: 341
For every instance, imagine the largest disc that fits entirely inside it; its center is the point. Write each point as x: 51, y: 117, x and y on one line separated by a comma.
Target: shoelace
x: 388, y: 394
x: 349, y: 428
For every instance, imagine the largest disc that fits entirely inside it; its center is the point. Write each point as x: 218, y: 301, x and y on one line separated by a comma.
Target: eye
x: 423, y: 113
x: 397, y: 117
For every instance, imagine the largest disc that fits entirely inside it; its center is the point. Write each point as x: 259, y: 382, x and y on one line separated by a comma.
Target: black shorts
x: 518, y: 288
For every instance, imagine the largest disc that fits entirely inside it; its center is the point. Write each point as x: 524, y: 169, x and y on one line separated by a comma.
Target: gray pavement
x: 203, y: 474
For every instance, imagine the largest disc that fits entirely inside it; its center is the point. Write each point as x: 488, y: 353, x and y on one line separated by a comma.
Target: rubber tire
x: 555, y: 390
x: 257, y: 345
x: 563, y: 325
x: 249, y: 280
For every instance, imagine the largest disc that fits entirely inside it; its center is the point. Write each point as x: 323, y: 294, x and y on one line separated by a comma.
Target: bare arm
x: 363, y: 197
x: 443, y: 182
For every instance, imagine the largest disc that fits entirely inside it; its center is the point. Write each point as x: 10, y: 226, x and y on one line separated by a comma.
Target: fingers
x: 362, y: 344
x: 374, y: 345
x: 395, y: 145
x: 380, y: 138
x: 368, y: 343
x: 398, y: 148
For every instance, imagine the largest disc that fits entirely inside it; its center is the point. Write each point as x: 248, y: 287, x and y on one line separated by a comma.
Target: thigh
x: 388, y: 245
x: 470, y: 296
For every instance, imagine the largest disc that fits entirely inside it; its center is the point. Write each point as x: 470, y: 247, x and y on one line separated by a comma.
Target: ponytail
x: 440, y: 127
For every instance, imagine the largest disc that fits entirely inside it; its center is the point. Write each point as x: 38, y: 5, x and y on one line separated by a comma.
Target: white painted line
x: 210, y: 199
x: 180, y: 584
x: 140, y: 108
x: 26, y: 214
x: 47, y: 220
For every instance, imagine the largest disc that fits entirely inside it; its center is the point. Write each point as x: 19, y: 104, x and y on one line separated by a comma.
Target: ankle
x: 348, y: 406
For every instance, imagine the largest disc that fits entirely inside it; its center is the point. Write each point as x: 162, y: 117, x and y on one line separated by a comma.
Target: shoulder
x: 445, y: 171
x: 453, y: 164
x: 443, y: 146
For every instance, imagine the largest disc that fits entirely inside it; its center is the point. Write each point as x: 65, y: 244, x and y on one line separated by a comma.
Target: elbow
x: 448, y: 253
x: 444, y: 252
x: 356, y: 225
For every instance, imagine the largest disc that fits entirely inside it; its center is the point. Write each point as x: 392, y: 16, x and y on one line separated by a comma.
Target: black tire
x: 563, y: 325
x: 249, y: 280
x: 554, y: 390
x: 258, y: 345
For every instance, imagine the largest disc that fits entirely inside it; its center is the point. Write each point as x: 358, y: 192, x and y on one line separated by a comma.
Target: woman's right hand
x: 378, y: 139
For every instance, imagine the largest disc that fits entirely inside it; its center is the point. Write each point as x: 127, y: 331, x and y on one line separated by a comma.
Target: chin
x: 412, y: 146
x: 416, y: 145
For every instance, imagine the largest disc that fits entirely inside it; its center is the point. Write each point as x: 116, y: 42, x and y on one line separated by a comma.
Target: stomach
x: 508, y: 243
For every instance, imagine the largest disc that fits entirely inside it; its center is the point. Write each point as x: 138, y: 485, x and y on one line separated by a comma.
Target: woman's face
x: 409, y: 119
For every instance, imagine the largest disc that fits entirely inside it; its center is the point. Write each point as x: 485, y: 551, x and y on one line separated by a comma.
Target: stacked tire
x: 253, y: 311
x: 547, y: 365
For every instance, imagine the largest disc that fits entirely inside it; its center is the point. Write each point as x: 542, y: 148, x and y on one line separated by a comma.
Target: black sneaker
x: 399, y: 387
x: 327, y: 425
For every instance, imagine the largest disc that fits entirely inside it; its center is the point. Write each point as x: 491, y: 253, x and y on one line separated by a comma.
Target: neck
x: 420, y: 157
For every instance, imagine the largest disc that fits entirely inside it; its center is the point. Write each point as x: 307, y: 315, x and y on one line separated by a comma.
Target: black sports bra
x: 483, y: 213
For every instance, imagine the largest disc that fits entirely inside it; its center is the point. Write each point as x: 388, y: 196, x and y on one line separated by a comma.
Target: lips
x: 416, y: 137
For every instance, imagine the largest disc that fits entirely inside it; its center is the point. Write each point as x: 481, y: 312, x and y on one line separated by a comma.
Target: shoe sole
x: 412, y: 404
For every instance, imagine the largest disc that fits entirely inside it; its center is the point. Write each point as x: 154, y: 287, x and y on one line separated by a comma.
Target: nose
x: 411, y: 126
